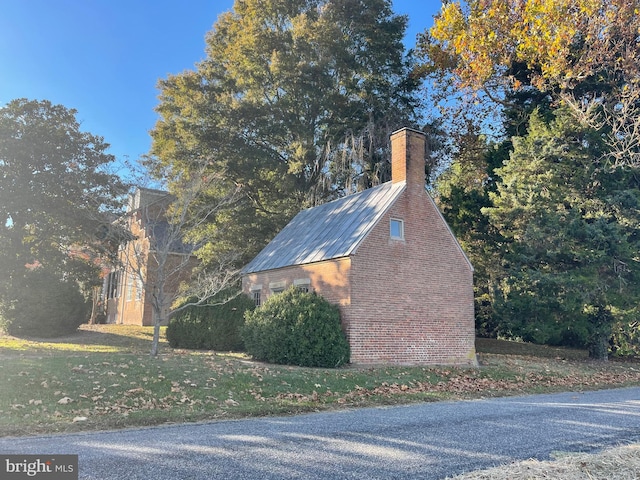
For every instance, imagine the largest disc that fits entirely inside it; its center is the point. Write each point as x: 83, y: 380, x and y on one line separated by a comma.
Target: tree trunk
x: 95, y: 303
x: 599, y: 348
x: 157, y: 321
x: 601, y: 321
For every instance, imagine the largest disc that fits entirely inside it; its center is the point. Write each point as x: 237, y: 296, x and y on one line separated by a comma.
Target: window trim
x: 139, y: 284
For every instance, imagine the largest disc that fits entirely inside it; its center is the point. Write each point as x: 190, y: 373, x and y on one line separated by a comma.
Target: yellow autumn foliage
x: 562, y: 40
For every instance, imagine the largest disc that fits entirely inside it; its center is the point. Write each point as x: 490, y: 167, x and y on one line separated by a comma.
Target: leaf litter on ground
x: 102, y: 378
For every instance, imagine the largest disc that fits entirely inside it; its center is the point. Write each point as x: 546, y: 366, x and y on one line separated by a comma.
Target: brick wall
x: 412, y: 299
x: 129, y: 306
x: 329, y: 279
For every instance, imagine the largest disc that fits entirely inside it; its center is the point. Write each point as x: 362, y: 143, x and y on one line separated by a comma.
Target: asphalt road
x: 425, y: 441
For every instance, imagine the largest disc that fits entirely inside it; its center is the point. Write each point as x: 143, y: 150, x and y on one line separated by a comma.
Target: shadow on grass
x: 506, y: 347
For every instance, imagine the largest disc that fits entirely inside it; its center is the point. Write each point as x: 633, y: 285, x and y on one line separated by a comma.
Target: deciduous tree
x: 56, y: 192
x: 158, y: 256
x: 583, y: 52
x: 294, y: 102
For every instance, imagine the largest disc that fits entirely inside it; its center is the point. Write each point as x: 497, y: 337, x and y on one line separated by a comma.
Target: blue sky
x: 104, y: 57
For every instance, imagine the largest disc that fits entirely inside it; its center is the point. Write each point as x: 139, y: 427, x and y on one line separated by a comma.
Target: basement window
x: 396, y: 229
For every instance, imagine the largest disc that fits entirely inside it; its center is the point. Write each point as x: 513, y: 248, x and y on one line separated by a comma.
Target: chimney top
x: 408, y: 156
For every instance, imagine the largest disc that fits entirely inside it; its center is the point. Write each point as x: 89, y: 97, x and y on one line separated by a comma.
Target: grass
x: 102, y: 377
x: 617, y: 463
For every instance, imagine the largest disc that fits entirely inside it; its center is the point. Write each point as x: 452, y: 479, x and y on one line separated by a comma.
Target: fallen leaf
x: 134, y: 391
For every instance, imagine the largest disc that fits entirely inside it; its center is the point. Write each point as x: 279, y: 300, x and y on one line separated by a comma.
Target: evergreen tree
x: 569, y: 225
x: 462, y: 192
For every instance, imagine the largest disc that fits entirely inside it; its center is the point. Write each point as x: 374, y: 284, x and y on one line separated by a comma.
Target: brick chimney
x: 408, y: 157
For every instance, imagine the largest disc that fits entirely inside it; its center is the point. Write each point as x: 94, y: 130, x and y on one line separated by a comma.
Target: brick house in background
x: 388, y: 259
x: 127, y: 289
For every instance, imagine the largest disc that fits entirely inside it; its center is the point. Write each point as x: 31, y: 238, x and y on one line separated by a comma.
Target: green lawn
x: 103, y: 377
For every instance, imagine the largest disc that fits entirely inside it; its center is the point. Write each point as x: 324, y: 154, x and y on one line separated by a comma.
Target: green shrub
x: 296, y: 328
x: 43, y: 305
x: 212, y: 326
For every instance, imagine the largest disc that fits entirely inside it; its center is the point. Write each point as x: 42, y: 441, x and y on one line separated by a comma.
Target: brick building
x: 128, y: 287
x: 387, y: 257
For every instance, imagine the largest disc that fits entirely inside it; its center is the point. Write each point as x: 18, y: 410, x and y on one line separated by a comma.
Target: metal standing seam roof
x: 328, y: 231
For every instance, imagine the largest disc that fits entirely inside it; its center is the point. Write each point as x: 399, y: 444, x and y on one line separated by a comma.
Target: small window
x: 303, y: 284
x: 256, y: 298
x: 256, y: 291
x: 277, y: 287
x: 130, y: 281
x: 396, y: 229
